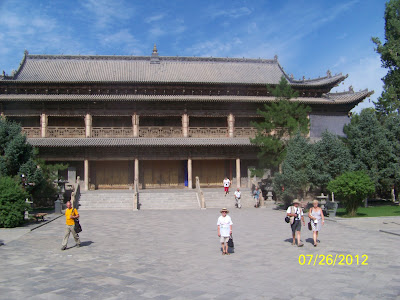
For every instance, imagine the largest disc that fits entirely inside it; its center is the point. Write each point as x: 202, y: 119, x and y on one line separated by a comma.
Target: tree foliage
x: 389, y: 101
x: 331, y: 158
x: 352, y: 188
x: 281, y: 120
x: 12, y: 202
x: 295, y: 178
x: 17, y: 157
x: 374, y: 149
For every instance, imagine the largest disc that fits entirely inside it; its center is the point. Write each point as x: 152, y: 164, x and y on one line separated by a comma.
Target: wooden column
x: 86, y: 174
x: 136, y: 175
x: 309, y: 128
x: 185, y: 125
x: 238, y: 172
x: 43, y: 124
x: 231, y: 125
x: 88, y: 125
x: 135, y: 125
x: 190, y: 175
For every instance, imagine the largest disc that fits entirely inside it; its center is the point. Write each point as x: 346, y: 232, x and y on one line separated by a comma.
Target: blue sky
x: 309, y: 37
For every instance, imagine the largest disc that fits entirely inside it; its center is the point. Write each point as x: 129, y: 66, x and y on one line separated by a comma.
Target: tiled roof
x: 143, y: 142
x: 62, y: 68
x: 330, y: 98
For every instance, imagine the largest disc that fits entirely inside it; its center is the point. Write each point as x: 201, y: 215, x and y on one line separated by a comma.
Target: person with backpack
x: 296, y: 217
x: 70, y: 215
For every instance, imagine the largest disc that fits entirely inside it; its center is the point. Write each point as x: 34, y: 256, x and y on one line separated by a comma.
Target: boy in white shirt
x: 227, y: 184
x: 237, y: 198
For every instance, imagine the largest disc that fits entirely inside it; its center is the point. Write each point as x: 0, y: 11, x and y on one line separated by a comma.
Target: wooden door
x: 161, y: 173
x: 210, y: 172
x: 112, y: 174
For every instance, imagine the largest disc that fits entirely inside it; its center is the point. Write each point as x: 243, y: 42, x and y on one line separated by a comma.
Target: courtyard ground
x: 175, y: 254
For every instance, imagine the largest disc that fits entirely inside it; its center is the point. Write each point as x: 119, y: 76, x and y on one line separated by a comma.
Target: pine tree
x: 281, y: 120
x: 389, y: 101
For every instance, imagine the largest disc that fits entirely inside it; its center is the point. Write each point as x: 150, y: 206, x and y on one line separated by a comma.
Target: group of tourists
x: 224, y: 223
x: 296, y: 217
x: 256, y: 194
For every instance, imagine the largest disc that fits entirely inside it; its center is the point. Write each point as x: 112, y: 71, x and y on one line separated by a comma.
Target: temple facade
x: 157, y: 121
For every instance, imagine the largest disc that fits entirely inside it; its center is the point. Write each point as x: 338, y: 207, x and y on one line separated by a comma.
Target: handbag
x: 287, y: 219
x: 309, y: 226
x: 230, y: 242
x: 77, y: 227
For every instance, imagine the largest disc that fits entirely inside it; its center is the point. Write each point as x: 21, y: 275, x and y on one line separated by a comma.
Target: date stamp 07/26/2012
x: 333, y: 260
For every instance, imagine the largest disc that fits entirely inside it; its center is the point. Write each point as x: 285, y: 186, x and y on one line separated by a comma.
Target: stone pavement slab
x: 167, y: 254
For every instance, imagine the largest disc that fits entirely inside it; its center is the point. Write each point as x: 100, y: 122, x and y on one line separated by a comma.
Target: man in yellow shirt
x: 70, y: 215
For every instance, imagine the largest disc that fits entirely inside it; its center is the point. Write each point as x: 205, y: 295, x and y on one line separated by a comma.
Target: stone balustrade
x: 112, y: 132
x: 160, y: 132
x: 31, y: 132
x: 65, y: 132
x: 245, y: 132
x: 204, y: 132
x: 144, y: 132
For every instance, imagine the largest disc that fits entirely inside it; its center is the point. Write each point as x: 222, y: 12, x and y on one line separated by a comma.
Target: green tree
x: 352, y: 188
x: 374, y: 150
x: 17, y: 157
x: 331, y: 159
x: 294, y: 180
x: 389, y: 102
x: 281, y: 120
x: 12, y: 202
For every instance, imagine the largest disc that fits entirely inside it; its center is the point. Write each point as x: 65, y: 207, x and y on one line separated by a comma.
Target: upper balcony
x: 144, y: 132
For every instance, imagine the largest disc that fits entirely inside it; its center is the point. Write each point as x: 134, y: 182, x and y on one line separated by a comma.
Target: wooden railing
x: 65, y: 132
x: 198, y: 132
x: 31, y: 132
x: 160, y: 132
x: 245, y: 132
x: 112, y: 132
x: 144, y: 132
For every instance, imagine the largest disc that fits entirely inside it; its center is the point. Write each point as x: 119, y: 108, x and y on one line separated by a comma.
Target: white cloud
x: 154, y: 18
x: 213, y: 48
x: 105, y: 13
x: 233, y: 13
x: 121, y: 41
x: 366, y: 73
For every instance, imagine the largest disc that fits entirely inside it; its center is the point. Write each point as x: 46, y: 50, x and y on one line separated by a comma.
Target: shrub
x: 12, y: 202
x: 352, y: 188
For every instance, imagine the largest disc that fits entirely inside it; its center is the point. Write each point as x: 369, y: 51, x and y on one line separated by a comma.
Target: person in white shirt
x: 237, y: 198
x: 224, y: 225
x: 227, y: 184
x: 296, y: 216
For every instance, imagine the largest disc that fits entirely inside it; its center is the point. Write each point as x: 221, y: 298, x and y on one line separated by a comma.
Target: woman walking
x: 224, y: 230
x: 317, y: 220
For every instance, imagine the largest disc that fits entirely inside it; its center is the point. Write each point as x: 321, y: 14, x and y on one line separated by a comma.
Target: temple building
x: 157, y: 121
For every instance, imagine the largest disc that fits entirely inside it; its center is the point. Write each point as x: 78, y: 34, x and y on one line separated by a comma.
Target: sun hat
x: 296, y: 201
x: 224, y: 209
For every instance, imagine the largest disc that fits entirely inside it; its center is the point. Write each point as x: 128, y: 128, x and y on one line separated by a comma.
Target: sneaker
x: 63, y: 248
x: 78, y: 245
x: 301, y: 245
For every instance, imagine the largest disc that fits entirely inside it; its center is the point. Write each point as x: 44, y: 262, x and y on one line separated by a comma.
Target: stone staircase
x: 162, y: 199
x: 215, y: 198
x: 168, y: 199
x: 106, y: 199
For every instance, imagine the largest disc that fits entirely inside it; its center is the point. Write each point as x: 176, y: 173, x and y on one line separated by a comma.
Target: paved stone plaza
x: 166, y: 254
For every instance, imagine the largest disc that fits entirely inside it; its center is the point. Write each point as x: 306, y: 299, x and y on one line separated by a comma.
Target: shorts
x: 226, y: 188
x: 224, y: 239
x: 296, y: 226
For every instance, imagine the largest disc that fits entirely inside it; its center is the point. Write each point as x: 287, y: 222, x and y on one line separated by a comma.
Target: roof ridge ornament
x: 154, y: 56
x: 328, y: 74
